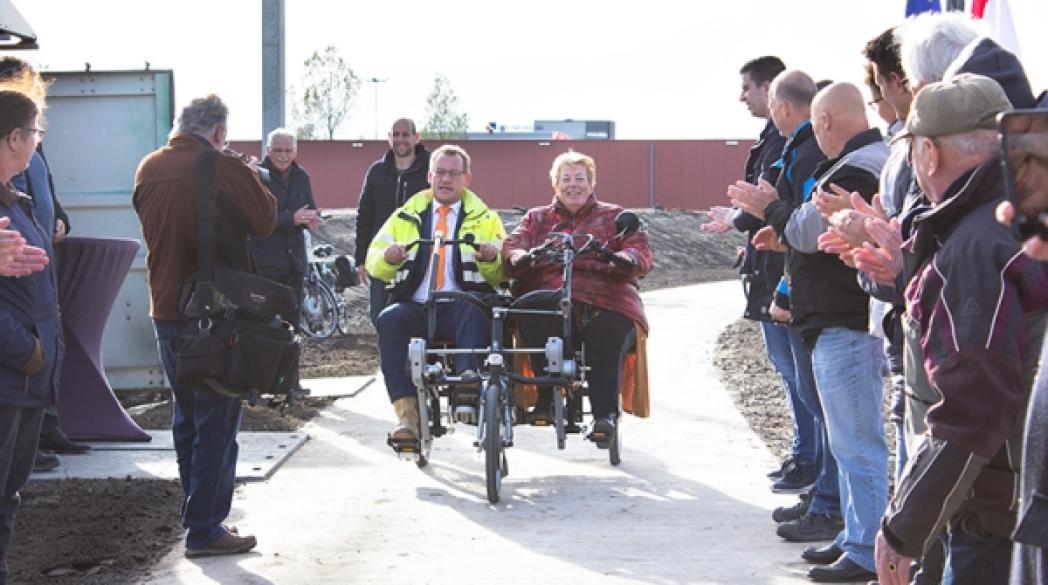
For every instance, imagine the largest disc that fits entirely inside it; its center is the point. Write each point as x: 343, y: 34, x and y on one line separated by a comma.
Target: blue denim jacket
x: 28, y: 311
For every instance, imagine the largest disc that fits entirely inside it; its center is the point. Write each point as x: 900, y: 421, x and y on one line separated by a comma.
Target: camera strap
x: 206, y: 163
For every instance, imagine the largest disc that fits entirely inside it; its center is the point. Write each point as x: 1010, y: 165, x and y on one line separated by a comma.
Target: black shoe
x: 62, y: 445
x: 810, y: 528
x: 844, y: 570
x: 794, y: 512
x: 45, y: 461
x: 822, y: 555
x: 603, y: 430
x: 798, y: 477
x: 777, y: 474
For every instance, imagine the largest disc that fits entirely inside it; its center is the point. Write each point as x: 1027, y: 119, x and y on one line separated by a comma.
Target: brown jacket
x: 166, y: 200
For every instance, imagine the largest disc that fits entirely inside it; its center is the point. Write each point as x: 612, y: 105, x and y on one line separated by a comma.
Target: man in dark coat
x: 389, y: 183
x: 281, y: 256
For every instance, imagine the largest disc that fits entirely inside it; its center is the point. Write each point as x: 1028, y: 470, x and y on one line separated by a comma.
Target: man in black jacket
x: 389, y: 182
x: 281, y: 256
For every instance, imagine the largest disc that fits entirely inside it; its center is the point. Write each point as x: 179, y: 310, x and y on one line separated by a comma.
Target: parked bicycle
x: 325, y: 308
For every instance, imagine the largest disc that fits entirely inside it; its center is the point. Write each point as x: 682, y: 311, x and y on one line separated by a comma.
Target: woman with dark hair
x: 607, y: 310
x: 30, y: 331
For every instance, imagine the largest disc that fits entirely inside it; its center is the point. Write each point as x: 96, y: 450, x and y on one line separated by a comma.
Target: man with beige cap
x: 976, y: 299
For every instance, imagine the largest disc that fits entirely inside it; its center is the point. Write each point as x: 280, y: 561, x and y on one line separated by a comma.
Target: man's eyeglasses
x: 454, y: 174
x: 38, y: 131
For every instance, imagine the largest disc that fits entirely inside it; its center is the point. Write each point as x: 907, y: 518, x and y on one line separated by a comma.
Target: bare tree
x: 442, y: 119
x: 330, y: 88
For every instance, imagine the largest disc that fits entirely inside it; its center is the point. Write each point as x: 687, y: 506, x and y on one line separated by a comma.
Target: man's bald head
x: 839, y: 100
x: 789, y: 100
x: 838, y: 114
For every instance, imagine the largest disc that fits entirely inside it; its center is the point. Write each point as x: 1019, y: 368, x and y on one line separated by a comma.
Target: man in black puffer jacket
x: 390, y: 181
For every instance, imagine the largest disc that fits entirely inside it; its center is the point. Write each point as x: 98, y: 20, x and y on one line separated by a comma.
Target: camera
x: 1024, y: 156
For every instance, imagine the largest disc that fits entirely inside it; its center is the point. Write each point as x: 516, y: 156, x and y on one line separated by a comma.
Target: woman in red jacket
x: 606, y: 304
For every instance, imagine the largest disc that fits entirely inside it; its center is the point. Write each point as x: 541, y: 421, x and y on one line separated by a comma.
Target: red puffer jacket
x: 596, y: 281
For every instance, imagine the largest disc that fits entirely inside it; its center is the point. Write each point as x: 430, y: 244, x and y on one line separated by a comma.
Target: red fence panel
x: 687, y: 174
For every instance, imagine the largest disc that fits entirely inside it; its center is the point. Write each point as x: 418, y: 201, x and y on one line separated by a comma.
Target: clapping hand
x: 883, y: 262
x: 829, y: 203
x: 766, y: 240
x: 752, y: 199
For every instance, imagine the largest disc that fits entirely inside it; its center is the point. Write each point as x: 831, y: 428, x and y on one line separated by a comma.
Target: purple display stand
x: 90, y: 274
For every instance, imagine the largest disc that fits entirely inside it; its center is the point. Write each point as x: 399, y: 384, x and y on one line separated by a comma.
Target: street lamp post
x: 376, y: 81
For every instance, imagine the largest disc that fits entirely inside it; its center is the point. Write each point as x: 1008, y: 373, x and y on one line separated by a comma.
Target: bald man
x: 831, y: 312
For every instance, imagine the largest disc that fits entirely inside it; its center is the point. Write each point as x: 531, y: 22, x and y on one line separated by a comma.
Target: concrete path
x: 688, y: 504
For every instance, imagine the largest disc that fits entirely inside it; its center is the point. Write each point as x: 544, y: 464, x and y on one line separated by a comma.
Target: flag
x: 998, y: 18
x: 919, y: 6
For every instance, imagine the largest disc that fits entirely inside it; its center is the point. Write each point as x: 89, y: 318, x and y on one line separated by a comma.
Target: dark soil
x: 113, y: 531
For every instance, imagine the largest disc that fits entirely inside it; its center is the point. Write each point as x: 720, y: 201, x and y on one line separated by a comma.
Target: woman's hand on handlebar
x: 395, y: 254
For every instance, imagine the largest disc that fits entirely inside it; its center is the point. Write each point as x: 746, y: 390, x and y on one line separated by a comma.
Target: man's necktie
x: 442, y: 227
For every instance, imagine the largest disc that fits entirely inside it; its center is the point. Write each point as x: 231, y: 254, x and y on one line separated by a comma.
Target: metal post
x: 375, y: 81
x: 272, y: 67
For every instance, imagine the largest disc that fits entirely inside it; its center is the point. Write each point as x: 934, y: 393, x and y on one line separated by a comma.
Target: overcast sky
x: 659, y: 68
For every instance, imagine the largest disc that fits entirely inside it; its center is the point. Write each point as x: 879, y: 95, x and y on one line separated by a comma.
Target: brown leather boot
x: 407, y: 417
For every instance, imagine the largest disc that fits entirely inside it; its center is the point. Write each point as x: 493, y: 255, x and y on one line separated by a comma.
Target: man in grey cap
x: 978, y: 303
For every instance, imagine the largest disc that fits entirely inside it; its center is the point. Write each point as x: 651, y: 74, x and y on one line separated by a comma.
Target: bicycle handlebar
x: 468, y: 239
x: 550, y: 249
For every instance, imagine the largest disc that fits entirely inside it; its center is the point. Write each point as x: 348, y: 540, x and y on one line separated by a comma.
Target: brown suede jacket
x: 166, y: 201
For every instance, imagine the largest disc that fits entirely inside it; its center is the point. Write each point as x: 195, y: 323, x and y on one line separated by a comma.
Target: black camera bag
x: 235, y: 341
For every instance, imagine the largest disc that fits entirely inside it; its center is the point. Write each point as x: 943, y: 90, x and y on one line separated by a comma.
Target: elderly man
x: 831, y: 313
x: 975, y: 299
x: 761, y: 271
x: 451, y: 209
x: 789, y: 107
x: 204, y: 423
x: 389, y: 182
x: 281, y: 256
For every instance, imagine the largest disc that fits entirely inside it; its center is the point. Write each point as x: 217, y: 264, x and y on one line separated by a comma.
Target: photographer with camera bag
x: 166, y: 198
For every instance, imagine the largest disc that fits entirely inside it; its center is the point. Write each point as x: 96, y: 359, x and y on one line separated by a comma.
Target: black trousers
x: 19, y: 436
x: 608, y: 336
x: 296, y: 281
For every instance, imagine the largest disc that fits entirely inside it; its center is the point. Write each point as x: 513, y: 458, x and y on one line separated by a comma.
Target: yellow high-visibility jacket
x: 413, y: 221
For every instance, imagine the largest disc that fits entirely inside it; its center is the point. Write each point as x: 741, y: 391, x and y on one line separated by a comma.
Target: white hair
x: 281, y: 132
x: 930, y: 42
x: 981, y: 143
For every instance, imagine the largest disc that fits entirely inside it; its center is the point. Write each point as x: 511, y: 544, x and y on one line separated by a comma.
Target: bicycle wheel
x: 492, y: 441
x: 319, y: 311
x: 614, y: 455
x: 559, y: 416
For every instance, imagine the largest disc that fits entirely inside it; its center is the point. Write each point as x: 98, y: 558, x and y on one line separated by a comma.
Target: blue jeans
x: 205, y: 427
x: 974, y: 556
x: 848, y: 374
x: 377, y: 298
x: 826, y: 497
x: 777, y: 342
x: 457, y: 321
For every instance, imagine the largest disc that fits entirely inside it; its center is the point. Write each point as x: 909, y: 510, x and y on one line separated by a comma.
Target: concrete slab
x: 688, y: 505
x: 261, y: 454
